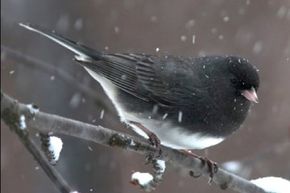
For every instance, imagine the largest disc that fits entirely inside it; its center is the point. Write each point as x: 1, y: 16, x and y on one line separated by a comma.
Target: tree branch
x: 31, y: 146
x: 11, y: 110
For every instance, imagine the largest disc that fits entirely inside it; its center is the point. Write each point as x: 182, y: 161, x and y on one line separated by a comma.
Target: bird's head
x: 245, y: 78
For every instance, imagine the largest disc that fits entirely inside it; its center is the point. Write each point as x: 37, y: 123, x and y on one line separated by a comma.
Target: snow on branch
x: 12, y: 110
x: 147, y: 181
x: 17, y: 123
x: 273, y: 184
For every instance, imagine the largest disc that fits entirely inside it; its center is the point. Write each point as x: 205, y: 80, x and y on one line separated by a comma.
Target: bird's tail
x: 82, y: 52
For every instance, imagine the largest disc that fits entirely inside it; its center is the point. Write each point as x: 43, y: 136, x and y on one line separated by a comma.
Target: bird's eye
x: 234, y: 81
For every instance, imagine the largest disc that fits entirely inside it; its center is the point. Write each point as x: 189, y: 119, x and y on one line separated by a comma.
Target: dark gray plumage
x: 189, y: 103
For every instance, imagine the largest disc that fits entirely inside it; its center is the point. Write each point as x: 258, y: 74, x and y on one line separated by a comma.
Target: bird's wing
x: 171, y: 81
x: 163, y: 80
x: 151, y: 78
x: 119, y: 70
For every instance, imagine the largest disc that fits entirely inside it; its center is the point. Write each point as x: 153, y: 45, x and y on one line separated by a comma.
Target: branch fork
x: 11, y: 110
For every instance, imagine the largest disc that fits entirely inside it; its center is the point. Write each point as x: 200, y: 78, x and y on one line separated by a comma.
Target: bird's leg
x: 212, y: 166
x: 153, y: 139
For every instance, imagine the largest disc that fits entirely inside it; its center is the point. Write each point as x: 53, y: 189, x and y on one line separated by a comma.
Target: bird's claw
x: 212, y: 167
x: 154, y: 141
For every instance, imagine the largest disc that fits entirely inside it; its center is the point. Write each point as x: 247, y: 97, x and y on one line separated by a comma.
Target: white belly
x: 175, y: 137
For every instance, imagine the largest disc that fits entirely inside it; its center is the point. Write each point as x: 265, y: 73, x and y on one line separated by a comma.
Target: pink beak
x: 251, y: 95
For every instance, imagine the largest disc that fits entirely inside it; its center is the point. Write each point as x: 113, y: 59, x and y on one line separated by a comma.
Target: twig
x: 147, y: 181
x: 44, y: 122
x: 50, y: 171
x: 31, y: 146
x: 159, y: 169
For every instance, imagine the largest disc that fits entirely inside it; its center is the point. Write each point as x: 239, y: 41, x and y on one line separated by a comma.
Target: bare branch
x: 31, y: 146
x: 45, y: 123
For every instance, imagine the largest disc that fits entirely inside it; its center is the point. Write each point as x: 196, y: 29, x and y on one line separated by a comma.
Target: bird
x: 181, y: 102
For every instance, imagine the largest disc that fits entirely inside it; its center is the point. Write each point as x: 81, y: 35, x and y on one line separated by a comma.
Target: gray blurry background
x: 258, y: 30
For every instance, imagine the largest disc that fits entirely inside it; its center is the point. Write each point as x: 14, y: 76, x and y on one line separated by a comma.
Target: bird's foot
x: 153, y: 140
x: 212, y: 166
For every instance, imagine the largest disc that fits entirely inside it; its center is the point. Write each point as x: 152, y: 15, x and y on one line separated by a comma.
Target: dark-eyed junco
x: 188, y: 103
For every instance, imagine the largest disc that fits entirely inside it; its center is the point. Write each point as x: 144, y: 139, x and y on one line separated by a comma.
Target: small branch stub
x: 52, y: 147
x: 147, y: 181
